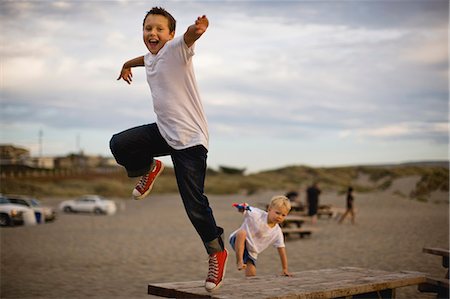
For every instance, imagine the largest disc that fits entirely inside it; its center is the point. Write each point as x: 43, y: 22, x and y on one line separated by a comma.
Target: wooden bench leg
x: 443, y: 293
x: 445, y: 264
x: 435, y: 285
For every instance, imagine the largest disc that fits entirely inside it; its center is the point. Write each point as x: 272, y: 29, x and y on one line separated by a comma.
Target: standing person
x: 180, y: 130
x: 292, y: 196
x: 312, y: 195
x: 259, y: 230
x: 296, y: 203
x: 350, y: 209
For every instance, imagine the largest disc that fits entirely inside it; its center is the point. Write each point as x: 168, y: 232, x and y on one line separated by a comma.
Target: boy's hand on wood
x: 286, y: 273
x: 201, y: 24
x: 241, y: 266
x: 126, y: 75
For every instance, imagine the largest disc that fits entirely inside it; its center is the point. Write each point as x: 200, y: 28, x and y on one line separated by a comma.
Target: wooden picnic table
x: 436, y: 284
x: 345, y: 282
x: 293, y: 225
x: 441, y: 252
x: 297, y: 206
x: 293, y: 220
x: 322, y: 210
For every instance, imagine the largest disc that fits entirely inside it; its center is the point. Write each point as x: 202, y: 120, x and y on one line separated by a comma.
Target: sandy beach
x: 152, y: 241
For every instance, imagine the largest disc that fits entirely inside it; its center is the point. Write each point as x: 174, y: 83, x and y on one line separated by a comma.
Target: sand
x: 152, y: 241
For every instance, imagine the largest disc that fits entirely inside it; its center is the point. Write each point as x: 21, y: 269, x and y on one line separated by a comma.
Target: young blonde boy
x: 259, y: 230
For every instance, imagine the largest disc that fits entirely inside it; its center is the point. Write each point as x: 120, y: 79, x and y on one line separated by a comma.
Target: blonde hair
x: 279, y: 201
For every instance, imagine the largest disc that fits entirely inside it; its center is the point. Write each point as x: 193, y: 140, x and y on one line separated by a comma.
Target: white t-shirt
x: 259, y: 234
x: 176, y: 101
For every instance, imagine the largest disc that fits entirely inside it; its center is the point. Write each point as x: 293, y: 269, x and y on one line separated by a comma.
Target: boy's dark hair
x: 162, y: 12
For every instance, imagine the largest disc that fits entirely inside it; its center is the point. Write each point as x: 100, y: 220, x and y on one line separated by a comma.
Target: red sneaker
x: 216, y: 272
x: 145, y: 184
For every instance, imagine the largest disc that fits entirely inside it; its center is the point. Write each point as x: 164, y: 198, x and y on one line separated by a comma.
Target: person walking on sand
x: 259, y: 230
x: 312, y: 195
x: 180, y: 130
x: 350, y: 209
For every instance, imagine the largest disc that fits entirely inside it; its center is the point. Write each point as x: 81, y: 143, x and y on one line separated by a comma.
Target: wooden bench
x: 302, y: 232
x: 440, y: 286
x: 292, y: 225
x: 345, y: 282
x: 297, y: 206
x: 294, y: 220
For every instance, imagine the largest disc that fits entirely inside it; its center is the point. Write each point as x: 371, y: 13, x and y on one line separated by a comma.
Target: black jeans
x: 135, y: 149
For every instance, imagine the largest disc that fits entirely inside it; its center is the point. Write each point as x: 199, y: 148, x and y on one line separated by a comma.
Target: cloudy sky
x: 320, y: 83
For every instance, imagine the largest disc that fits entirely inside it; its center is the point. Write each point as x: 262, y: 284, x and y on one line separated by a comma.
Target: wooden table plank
x: 325, y: 283
x: 436, y: 251
x: 293, y: 219
x: 434, y: 284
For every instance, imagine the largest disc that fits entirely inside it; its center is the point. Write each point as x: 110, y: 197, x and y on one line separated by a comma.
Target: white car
x: 89, y: 203
x: 43, y: 214
x: 13, y: 214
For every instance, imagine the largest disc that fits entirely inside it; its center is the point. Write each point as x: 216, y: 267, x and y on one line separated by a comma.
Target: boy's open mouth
x: 153, y: 42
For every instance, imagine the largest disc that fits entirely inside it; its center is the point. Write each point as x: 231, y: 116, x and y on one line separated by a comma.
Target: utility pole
x: 41, y: 134
x: 78, y: 141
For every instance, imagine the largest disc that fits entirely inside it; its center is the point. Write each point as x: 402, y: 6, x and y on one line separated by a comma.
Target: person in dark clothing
x: 296, y: 203
x: 312, y: 195
x: 350, y: 209
x: 292, y: 195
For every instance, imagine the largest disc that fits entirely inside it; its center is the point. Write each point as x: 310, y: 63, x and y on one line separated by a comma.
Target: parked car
x: 14, y: 214
x: 89, y: 203
x: 43, y: 213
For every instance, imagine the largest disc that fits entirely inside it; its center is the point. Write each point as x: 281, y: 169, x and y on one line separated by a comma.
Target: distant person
x: 350, y: 208
x: 312, y: 195
x: 259, y: 230
x: 294, y: 198
x: 180, y: 130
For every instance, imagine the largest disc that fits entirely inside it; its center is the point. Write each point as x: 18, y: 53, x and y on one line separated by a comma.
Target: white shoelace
x: 213, y: 271
x: 142, y: 182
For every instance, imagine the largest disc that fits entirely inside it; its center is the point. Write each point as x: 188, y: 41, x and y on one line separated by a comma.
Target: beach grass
x: 362, y: 178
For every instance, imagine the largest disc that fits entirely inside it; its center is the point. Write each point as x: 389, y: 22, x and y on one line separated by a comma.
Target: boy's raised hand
x: 196, y: 30
x: 125, y: 72
x: 126, y: 75
x: 201, y: 24
x: 242, y: 207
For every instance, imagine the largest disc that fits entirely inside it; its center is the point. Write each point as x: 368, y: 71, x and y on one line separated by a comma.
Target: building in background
x: 14, y: 159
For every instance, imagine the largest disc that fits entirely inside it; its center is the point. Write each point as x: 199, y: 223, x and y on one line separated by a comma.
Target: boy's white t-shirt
x: 179, y: 112
x: 259, y: 234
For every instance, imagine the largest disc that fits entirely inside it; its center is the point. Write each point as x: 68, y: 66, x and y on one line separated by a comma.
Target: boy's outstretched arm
x: 284, y: 262
x: 242, y: 207
x: 126, y: 73
x: 196, y: 30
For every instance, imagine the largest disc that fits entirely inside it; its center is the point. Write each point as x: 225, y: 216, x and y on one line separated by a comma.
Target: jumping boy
x: 180, y: 129
x: 259, y: 230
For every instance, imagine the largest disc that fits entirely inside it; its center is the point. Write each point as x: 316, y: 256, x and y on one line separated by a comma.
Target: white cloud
x: 432, y: 50
x: 62, y: 5
x: 397, y: 130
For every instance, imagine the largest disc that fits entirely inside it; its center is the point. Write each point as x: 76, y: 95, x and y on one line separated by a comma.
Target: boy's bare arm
x: 284, y: 262
x: 196, y: 30
x: 126, y: 73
